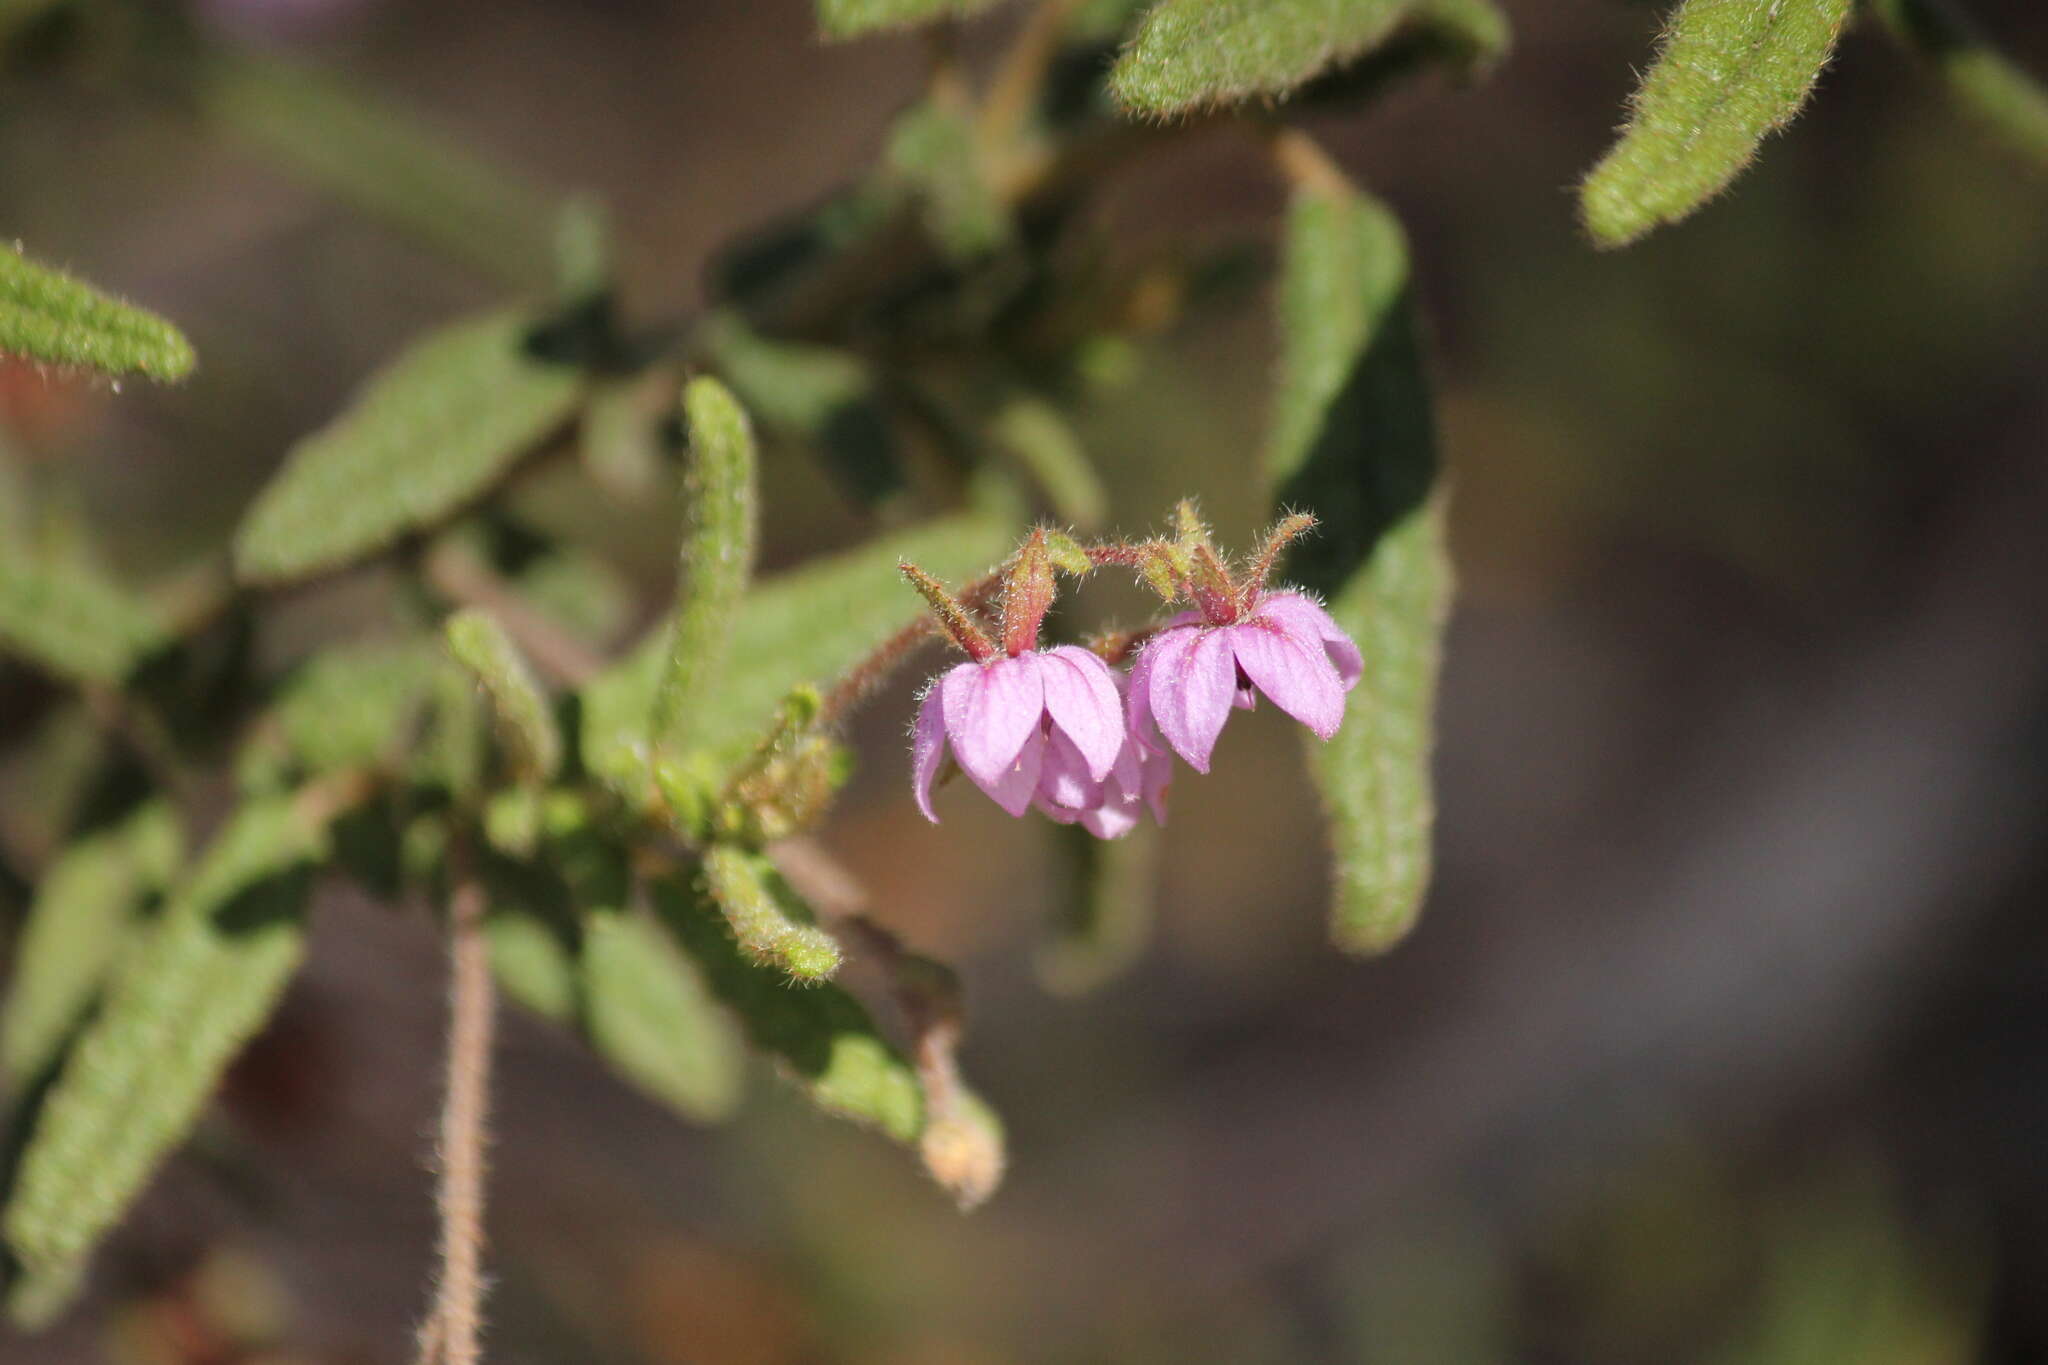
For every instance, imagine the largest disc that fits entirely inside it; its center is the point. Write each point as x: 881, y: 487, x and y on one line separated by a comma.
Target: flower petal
x: 1111, y: 820
x: 1158, y: 652
x: 991, y: 710
x: 1012, y: 789
x: 1064, y: 778
x: 1080, y: 696
x: 1156, y: 775
x: 1296, y: 674
x: 1304, y: 620
x: 1191, y: 695
x: 927, y: 750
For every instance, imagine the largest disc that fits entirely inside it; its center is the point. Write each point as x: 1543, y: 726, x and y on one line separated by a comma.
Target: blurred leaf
x: 822, y: 1036
x: 47, y: 316
x: 350, y: 143
x: 532, y: 960
x: 621, y: 437
x: 1729, y: 73
x: 721, y: 513
x: 176, y: 1012
x: 83, y: 914
x: 526, y: 723
x: 1039, y: 438
x: 66, y: 619
x: 579, y: 591
x: 852, y: 18
x: 450, y: 753
x: 429, y: 433
x: 354, y: 706
x: 933, y: 150
x: 822, y: 394
x: 1354, y: 442
x: 765, y: 265
x: 1103, y: 916
x: 808, y: 625
x: 2009, y: 102
x: 1195, y: 54
x: 769, y: 921
x: 583, y: 249
x: 648, y: 1012
x: 1467, y: 38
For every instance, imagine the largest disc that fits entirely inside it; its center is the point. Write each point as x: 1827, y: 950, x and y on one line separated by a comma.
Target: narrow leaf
x: 1195, y: 54
x: 771, y: 925
x: 177, y: 1011
x: 852, y: 18
x: 808, y: 625
x: 717, y: 557
x: 84, y: 913
x: 429, y: 434
x: 649, y: 1013
x: 933, y: 150
x: 526, y: 723
x: 2009, y: 102
x: 64, y: 618
x: 823, y: 1038
x: 1354, y: 442
x: 47, y: 316
x: 353, y: 706
x: 1729, y: 73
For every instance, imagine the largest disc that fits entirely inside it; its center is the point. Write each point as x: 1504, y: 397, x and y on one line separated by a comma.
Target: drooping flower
x: 1109, y: 807
x: 1017, y: 722
x: 1189, y: 676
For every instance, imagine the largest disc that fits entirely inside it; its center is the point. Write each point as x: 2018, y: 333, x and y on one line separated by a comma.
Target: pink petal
x: 1080, y: 696
x: 927, y: 750
x: 1111, y: 821
x: 991, y: 710
x: 1156, y: 777
x: 1065, y: 779
x: 1301, y: 681
x: 1191, y: 695
x: 1161, y: 650
x: 1304, y: 620
x: 1012, y: 789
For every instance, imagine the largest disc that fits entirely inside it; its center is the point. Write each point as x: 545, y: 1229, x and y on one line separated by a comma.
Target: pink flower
x: 1018, y: 722
x: 1189, y: 675
x: 1107, y: 808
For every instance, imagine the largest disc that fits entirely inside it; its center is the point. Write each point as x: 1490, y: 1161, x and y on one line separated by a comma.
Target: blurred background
x: 1723, y: 1037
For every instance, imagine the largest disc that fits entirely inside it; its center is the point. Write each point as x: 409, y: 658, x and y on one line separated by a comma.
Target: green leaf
x: 852, y: 18
x: 808, y: 625
x: 824, y: 1039
x: 770, y: 923
x: 355, y: 706
x: 820, y: 394
x: 85, y: 910
x: 1196, y: 54
x: 178, y: 1009
x: 67, y: 620
x: 526, y: 723
x: 933, y: 150
x: 620, y: 438
x: 648, y: 1012
x: 48, y: 316
x: 429, y: 434
x: 1468, y: 38
x: 721, y: 515
x: 1039, y: 438
x: 1729, y: 73
x: 1354, y: 442
x: 347, y: 141
x: 1989, y: 85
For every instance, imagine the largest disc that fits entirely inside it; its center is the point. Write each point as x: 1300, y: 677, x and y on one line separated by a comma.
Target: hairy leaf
x: 824, y: 1039
x: 429, y: 434
x: 1194, y: 54
x: 2009, y: 102
x: 47, y: 316
x: 346, y: 141
x: 808, y: 625
x: 1729, y: 73
x: 852, y: 18
x: 771, y: 924
x: 352, y: 706
x: 83, y: 914
x: 178, y: 1009
x: 648, y: 1012
x: 526, y: 724
x: 933, y: 150
x: 67, y: 620
x: 721, y: 516
x: 1354, y: 442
